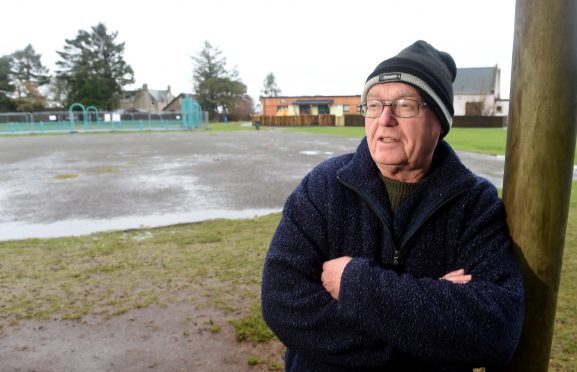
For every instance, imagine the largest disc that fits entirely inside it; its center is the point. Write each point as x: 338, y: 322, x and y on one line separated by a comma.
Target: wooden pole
x: 539, y: 162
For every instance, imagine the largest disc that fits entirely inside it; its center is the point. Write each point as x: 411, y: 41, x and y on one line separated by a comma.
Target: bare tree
x: 270, y: 88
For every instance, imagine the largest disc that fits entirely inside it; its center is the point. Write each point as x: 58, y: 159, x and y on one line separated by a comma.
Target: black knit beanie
x: 427, y: 69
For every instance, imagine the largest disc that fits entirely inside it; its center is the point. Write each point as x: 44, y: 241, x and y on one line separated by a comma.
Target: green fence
x: 66, y: 126
x: 89, y: 119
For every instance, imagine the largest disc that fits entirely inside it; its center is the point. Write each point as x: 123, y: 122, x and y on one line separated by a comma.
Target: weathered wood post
x: 539, y: 161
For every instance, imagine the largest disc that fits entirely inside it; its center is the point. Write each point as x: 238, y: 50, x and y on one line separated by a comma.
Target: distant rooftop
x: 475, y: 80
x: 159, y: 95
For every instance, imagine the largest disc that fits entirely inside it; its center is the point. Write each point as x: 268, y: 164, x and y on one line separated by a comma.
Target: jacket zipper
x: 376, y: 208
x: 434, y: 208
x: 378, y: 211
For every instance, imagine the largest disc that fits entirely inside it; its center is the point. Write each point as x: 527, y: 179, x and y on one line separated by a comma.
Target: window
x: 346, y: 108
x: 473, y: 108
x: 305, y: 109
x: 323, y: 109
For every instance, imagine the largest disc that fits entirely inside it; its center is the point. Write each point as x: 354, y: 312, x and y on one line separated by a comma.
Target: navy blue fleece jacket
x: 393, y: 312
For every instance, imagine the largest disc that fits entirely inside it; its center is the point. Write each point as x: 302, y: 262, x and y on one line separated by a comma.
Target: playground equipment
x: 71, y: 115
x: 191, y: 113
x: 90, y: 118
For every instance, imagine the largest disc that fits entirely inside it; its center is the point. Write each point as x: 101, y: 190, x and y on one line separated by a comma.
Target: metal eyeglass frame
x: 393, y: 105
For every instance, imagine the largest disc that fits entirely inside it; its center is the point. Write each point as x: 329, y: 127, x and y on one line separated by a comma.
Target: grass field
x: 564, y: 349
x: 220, y: 261
x: 109, y: 273
x: 481, y: 140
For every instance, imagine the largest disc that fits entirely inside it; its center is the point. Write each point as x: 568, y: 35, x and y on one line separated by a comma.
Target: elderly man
x: 396, y: 257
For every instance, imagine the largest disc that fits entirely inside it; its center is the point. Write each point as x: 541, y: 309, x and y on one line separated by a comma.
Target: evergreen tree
x: 217, y: 90
x: 57, y: 95
x: 92, y: 69
x: 28, y: 75
x: 270, y: 89
x: 6, y: 87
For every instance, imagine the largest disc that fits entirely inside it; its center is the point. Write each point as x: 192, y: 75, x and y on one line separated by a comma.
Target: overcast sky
x: 323, y: 47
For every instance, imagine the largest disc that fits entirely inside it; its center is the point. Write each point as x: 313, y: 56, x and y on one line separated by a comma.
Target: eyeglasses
x: 401, y: 108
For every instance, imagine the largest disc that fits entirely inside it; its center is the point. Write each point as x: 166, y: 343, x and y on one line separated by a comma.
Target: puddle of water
x: 22, y: 230
x: 315, y: 152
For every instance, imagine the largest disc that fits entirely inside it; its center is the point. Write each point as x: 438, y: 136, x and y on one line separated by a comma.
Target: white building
x: 477, y: 91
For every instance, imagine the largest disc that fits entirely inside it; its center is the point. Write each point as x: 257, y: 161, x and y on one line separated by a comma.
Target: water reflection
x: 22, y: 230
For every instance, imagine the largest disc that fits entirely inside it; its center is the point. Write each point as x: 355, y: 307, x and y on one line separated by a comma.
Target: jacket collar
x: 447, y: 177
x: 362, y: 175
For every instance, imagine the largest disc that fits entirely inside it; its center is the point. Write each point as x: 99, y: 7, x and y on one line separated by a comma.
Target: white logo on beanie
x: 389, y: 77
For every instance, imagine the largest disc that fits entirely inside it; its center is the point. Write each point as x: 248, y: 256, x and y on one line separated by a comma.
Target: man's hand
x: 457, y: 277
x: 332, y: 273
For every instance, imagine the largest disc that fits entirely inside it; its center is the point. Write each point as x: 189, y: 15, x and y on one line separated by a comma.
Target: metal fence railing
x: 78, y: 121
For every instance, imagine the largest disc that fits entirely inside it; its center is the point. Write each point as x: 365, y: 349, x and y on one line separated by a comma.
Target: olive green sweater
x: 398, y: 191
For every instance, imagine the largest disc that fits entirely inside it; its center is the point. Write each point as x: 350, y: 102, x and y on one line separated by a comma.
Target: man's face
x: 402, y: 148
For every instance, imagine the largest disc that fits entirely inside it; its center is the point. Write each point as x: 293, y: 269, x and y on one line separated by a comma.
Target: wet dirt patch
x: 178, y: 337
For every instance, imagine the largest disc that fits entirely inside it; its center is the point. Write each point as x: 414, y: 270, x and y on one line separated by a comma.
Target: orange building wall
x: 270, y: 104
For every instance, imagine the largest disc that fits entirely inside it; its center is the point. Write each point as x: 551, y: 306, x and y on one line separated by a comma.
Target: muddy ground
x: 174, y: 338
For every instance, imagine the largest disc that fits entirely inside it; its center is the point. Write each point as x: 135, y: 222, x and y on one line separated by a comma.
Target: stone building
x: 146, y: 100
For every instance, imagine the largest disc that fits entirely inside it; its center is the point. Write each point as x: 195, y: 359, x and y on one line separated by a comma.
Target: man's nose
x: 387, y: 118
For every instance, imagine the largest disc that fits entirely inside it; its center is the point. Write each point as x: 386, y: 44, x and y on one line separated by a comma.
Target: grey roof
x: 475, y: 80
x: 313, y: 102
x: 159, y: 95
